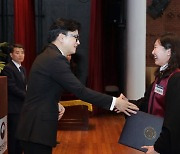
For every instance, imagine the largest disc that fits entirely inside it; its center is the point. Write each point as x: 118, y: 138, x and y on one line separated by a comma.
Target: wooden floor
x: 101, y: 138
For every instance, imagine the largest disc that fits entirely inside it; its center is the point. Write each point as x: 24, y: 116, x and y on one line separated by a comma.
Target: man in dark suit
x: 16, y: 94
x: 49, y: 76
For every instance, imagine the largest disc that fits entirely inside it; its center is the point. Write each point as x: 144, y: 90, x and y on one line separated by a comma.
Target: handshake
x: 122, y: 105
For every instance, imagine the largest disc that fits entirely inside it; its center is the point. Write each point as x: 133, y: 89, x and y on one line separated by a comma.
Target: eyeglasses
x: 75, y: 36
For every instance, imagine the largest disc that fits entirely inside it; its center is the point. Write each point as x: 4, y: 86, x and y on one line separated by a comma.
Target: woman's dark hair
x: 170, y: 41
x: 62, y: 25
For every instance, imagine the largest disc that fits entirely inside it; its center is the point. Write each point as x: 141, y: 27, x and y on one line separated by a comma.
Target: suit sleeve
x: 68, y: 81
x: 142, y: 103
x: 168, y: 142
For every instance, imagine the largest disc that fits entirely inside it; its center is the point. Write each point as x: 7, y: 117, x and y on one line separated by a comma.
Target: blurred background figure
x: 16, y: 76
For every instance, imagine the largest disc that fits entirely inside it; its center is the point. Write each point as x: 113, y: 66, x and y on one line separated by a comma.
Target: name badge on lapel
x: 158, y: 89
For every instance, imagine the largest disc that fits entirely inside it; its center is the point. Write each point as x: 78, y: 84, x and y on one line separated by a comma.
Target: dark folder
x: 141, y: 129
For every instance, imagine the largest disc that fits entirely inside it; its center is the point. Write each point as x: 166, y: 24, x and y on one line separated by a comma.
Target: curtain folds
x: 24, y: 29
x: 95, y: 72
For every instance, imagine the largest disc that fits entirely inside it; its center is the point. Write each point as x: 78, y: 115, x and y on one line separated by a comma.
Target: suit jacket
x: 50, y: 75
x: 168, y: 142
x: 16, y: 87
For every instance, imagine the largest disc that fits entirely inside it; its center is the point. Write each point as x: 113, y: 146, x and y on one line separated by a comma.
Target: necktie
x: 22, y: 72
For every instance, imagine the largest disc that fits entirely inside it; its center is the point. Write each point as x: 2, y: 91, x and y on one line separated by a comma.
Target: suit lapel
x: 18, y: 73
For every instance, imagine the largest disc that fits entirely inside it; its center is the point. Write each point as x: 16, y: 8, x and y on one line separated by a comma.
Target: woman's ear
x: 169, y: 52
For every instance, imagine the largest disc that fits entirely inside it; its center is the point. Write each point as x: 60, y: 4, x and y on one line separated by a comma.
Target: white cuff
x: 113, y: 103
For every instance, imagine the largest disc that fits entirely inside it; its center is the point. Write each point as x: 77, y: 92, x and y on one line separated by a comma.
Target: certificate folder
x: 141, y: 129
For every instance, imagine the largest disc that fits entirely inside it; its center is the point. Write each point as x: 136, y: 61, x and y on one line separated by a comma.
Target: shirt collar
x: 61, y: 52
x: 59, y: 49
x: 16, y: 64
x: 162, y: 68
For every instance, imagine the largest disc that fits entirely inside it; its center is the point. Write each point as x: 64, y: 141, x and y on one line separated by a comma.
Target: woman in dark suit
x: 16, y: 94
x: 163, y: 96
x: 49, y: 76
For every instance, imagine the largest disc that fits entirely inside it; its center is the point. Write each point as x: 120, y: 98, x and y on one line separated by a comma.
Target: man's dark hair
x: 62, y: 25
x: 15, y: 46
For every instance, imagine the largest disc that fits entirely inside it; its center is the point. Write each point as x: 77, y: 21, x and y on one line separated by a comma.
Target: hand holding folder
x: 150, y: 149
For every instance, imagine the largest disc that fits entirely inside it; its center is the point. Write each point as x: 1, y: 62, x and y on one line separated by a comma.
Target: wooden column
x: 3, y: 114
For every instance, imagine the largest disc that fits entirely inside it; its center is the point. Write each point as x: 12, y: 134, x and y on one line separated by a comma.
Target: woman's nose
x: 153, y: 52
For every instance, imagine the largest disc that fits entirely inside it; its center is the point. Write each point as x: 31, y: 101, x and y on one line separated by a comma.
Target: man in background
x: 16, y: 81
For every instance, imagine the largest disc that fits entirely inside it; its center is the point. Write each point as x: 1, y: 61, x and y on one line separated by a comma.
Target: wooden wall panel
x: 168, y: 22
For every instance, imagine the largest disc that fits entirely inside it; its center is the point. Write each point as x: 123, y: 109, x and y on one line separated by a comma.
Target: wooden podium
x: 76, y: 116
x: 3, y: 114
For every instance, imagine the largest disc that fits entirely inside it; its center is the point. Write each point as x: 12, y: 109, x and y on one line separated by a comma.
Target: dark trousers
x: 35, y: 148
x: 14, y: 146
